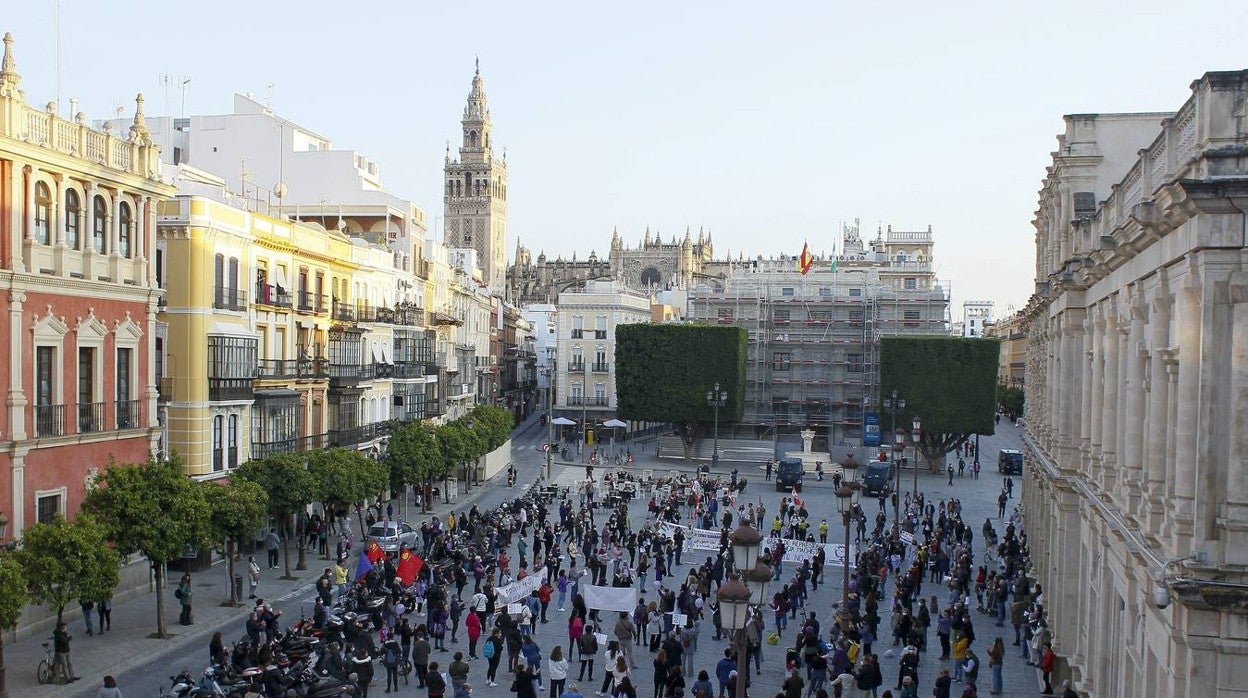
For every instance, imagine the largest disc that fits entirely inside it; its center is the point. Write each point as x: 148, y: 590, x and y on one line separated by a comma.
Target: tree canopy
x: 663, y: 373
x: 13, y: 591
x: 64, y: 561
x: 343, y: 476
x: 949, y: 383
x: 493, y: 424
x: 284, y: 478
x: 413, y: 455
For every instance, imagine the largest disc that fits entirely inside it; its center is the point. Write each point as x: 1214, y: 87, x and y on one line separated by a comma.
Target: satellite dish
x: 280, y: 190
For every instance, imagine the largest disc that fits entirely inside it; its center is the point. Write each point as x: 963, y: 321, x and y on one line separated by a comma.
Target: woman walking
x: 996, y: 659
x: 660, y: 673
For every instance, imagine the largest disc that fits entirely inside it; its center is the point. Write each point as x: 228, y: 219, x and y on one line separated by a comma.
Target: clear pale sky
x: 768, y: 123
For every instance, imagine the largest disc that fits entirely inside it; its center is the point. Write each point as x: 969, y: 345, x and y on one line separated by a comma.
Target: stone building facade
x: 1136, y: 495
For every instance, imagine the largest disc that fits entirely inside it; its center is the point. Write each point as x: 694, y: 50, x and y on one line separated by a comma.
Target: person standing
x: 88, y: 612
x: 996, y: 660
x: 61, y: 666
x: 624, y: 631
x: 943, y: 684
x: 557, y: 671
x: 362, y: 667
x: 391, y: 659
x: 271, y: 543
x: 420, y: 658
x: 253, y: 576
x: 493, y: 652
x: 435, y: 683
x: 183, y: 593
x: 104, y: 609
x: 473, y: 625
x: 1047, y: 659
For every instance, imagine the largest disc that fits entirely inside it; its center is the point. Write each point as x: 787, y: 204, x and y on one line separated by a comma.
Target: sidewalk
x: 128, y: 644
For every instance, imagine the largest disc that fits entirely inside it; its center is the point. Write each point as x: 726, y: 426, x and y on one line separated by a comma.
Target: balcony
x: 297, y: 444
x: 578, y: 334
x: 90, y: 417
x: 342, y: 375
x: 220, y: 389
x: 410, y: 316
x: 307, y: 302
x: 287, y: 369
x: 576, y: 367
x: 601, y: 367
x: 49, y: 420
x: 164, y: 388
x: 342, y: 312
x: 224, y: 298
x: 600, y: 334
x: 433, y: 408
x: 353, y: 436
x: 128, y: 414
x: 273, y: 296
x: 383, y: 370
x: 414, y: 369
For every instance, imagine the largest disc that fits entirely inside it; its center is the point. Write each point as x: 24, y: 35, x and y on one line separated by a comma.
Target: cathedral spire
x: 8, y: 66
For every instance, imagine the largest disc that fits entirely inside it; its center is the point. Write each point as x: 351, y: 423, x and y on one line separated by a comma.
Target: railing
x: 577, y: 400
x: 272, y: 295
x: 295, y: 444
x: 225, y: 298
x: 351, y: 436
x: 601, y: 367
x: 343, y: 312
x: 278, y: 369
x: 49, y: 420
x: 90, y: 417
x: 307, y: 301
x: 576, y: 367
x: 578, y: 334
x: 230, y: 388
x: 414, y: 317
x: 433, y: 408
x: 352, y: 373
x: 383, y: 370
x: 66, y: 136
x: 600, y: 334
x: 165, y: 388
x: 128, y: 414
x: 414, y: 369
x: 602, y: 401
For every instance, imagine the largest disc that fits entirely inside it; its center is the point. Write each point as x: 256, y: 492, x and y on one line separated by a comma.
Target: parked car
x: 1010, y: 462
x: 789, y: 475
x: 877, y: 478
x: 390, y: 537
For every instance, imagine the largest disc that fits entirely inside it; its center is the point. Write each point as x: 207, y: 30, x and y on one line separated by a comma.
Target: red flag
x: 796, y: 499
x: 374, y: 552
x: 806, y: 261
x: 409, y: 566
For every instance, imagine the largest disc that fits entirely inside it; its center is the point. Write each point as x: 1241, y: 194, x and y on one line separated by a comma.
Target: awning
x: 231, y: 329
x: 377, y: 357
x: 387, y: 353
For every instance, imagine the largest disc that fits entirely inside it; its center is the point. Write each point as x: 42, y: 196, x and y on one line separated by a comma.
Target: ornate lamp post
x: 715, y: 399
x: 734, y: 610
x: 893, y: 404
x: 745, y: 591
x: 915, y: 434
x: 846, y: 499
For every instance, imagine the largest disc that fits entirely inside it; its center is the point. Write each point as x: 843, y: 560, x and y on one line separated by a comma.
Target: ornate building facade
x: 652, y: 265
x: 1136, y: 494
x: 475, y: 200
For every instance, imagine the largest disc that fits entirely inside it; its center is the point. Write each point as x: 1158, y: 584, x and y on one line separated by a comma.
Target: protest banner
x: 795, y: 550
x: 622, y: 599
x: 517, y: 591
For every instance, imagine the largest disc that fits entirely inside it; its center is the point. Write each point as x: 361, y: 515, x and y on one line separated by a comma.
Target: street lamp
x: 734, y: 610
x: 915, y: 434
x: 715, y: 399
x: 846, y: 499
x: 893, y: 404
x: 550, y: 414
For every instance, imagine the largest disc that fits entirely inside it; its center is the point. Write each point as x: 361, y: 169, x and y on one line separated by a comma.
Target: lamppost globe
x: 734, y: 604
x: 917, y: 429
x: 744, y: 544
x: 757, y: 579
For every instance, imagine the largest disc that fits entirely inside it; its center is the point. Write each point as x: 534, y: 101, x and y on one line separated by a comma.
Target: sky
x: 769, y: 124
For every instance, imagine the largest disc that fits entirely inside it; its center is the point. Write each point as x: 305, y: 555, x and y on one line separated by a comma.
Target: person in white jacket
x: 557, y: 670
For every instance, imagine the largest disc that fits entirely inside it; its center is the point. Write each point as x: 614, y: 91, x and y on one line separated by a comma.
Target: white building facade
x: 975, y: 314
x: 1136, y: 494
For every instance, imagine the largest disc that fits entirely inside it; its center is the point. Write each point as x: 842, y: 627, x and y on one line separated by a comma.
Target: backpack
x: 490, y: 649
x: 392, y: 657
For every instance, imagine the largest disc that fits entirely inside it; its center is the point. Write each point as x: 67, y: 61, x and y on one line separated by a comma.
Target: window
x: 47, y: 506
x: 125, y: 226
x: 231, y: 367
x: 781, y: 315
x: 600, y: 393
x: 786, y: 291
x: 855, y: 362
x: 231, y: 279
x: 99, y: 224
x: 910, y: 283
x: 857, y: 314
x: 218, y: 443
x: 73, y: 212
x: 780, y: 361
x: 600, y: 327
x: 43, y: 213
x: 911, y: 318
x: 725, y: 316
x: 90, y: 417
x: 127, y: 409
x: 855, y: 293
x: 578, y: 326
x: 825, y: 292
x: 160, y: 268
x: 49, y: 416
x: 218, y: 281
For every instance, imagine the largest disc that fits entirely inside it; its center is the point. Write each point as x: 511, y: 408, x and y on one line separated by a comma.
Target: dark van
x: 789, y: 475
x: 877, y: 478
x: 1010, y: 462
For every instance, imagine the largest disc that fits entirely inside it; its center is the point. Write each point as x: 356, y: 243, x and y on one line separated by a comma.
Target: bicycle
x: 44, y: 672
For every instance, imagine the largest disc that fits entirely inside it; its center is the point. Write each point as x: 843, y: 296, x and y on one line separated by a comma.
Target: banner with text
x: 520, y: 590
x: 795, y: 550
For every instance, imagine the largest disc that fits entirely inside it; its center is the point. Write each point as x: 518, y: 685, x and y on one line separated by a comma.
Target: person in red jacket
x: 1047, y: 658
x: 543, y: 595
x: 473, y: 624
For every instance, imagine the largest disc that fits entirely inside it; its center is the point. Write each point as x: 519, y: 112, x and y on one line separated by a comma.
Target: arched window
x: 125, y: 229
x: 73, y: 210
x: 231, y: 457
x: 218, y: 281
x: 472, y: 138
x: 99, y: 224
x: 218, y: 443
x: 43, y: 213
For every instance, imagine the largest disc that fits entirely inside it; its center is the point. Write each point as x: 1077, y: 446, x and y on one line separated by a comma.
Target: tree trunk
x: 4, y: 692
x: 229, y: 571
x: 158, y: 573
x: 301, y: 531
x: 425, y: 490
x: 359, y: 514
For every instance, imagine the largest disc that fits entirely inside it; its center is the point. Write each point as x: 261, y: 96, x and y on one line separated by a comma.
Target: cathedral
x: 652, y: 265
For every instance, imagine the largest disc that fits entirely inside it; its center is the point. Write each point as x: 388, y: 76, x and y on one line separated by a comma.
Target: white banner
x: 518, y: 591
x: 623, y: 599
x: 794, y: 550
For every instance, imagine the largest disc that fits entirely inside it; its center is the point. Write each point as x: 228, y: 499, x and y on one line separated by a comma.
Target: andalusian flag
x: 806, y: 260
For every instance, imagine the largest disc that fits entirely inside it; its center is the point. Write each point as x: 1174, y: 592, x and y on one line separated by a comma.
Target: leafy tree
x: 414, y: 457
x: 64, y: 561
x: 238, y: 511
x: 453, y: 446
x: 948, y: 382
x: 494, y: 424
x: 1011, y: 401
x: 664, y: 371
x: 284, y: 477
x: 152, y: 508
x: 13, y: 599
x: 343, y: 476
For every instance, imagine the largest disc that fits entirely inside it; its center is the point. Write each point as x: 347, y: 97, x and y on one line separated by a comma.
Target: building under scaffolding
x: 814, y: 338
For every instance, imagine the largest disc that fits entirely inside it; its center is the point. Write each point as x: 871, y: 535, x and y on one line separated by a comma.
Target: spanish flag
x: 806, y: 261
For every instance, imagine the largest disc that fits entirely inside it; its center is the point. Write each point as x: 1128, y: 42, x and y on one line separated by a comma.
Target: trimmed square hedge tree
x: 663, y: 372
x: 947, y: 382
